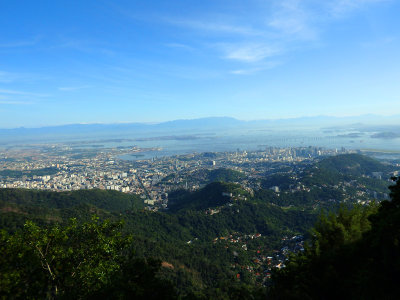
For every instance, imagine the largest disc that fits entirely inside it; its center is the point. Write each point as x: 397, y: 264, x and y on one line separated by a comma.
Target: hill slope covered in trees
x: 211, y: 243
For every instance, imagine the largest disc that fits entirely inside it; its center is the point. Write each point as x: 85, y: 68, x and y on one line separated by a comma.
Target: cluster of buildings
x: 262, y: 262
x: 107, y: 168
x: 62, y: 168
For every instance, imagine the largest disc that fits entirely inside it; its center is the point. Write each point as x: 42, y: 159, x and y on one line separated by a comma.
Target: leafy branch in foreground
x: 75, y: 261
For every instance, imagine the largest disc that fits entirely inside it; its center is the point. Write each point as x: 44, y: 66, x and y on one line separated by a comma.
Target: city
x: 59, y: 168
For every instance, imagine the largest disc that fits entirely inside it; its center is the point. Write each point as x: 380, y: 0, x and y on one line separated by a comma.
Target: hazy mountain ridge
x: 366, y: 123
x: 208, y: 122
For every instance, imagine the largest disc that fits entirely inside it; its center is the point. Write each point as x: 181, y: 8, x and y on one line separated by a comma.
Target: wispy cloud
x: 292, y: 19
x: 12, y: 102
x: 21, y: 93
x: 338, y: 8
x: 283, y: 25
x: 179, y: 46
x: 9, y: 77
x: 250, y: 71
x: 85, y: 46
x: 7, y: 101
x: 215, y: 27
x: 73, y: 88
x: 379, y: 42
x: 20, y: 43
x: 250, y: 52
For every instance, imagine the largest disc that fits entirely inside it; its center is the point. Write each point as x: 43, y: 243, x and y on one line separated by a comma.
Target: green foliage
x: 352, y: 164
x: 354, y: 255
x: 315, y: 196
x: 225, y: 175
x: 18, y: 205
x: 103, y: 199
x: 49, y: 257
x: 78, y: 261
x: 60, y: 261
x: 281, y: 180
x: 29, y: 173
x: 209, y: 196
x: 218, y: 175
x: 332, y: 231
x: 201, y: 270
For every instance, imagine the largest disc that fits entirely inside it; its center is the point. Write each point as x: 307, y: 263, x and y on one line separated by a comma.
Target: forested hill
x: 219, y: 242
x: 353, y: 164
x: 353, y: 255
x: 195, y: 245
x: 112, y: 201
x: 19, y: 205
x: 220, y: 175
x: 213, y: 195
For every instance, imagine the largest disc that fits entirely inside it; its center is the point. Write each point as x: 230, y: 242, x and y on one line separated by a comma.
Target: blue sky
x: 65, y: 62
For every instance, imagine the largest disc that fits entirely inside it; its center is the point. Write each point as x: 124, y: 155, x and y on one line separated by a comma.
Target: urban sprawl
x: 63, y: 168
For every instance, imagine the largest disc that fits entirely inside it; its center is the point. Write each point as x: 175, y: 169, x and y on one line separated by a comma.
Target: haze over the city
x: 65, y: 62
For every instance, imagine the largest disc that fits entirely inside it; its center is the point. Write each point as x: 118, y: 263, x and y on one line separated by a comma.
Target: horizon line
x: 150, y: 123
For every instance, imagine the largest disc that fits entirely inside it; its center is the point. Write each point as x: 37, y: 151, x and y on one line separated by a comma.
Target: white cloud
x: 20, y: 43
x: 73, y: 88
x: 250, y: 71
x: 179, y: 46
x: 12, y: 102
x: 216, y: 27
x: 338, y: 8
x: 9, y: 77
x: 89, y: 46
x: 293, y: 19
x: 21, y: 93
x: 250, y: 52
x: 262, y: 30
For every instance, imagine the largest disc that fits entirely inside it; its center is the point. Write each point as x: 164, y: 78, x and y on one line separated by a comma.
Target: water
x: 259, y: 141
x: 177, y: 143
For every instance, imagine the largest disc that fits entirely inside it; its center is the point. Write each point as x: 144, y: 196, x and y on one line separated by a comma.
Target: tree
x: 78, y: 261
x: 354, y: 255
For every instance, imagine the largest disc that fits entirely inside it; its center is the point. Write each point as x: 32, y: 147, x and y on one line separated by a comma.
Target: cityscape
x: 61, y: 168
x: 195, y: 150
x: 152, y: 178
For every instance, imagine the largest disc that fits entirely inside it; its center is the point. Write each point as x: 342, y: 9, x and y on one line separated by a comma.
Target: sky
x: 64, y: 62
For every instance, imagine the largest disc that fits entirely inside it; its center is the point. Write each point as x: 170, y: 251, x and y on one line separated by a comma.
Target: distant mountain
x: 76, y: 131
x: 93, y: 131
x: 203, y: 123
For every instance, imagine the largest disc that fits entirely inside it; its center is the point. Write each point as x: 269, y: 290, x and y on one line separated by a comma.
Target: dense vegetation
x: 211, y: 196
x: 19, y: 205
x: 28, y: 173
x: 354, y: 255
x: 78, y: 261
x: 352, y: 164
x: 199, y: 269
x: 205, y: 176
x: 53, y: 247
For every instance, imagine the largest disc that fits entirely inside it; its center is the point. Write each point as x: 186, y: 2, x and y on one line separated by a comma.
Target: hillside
x: 349, y: 178
x: 353, y: 164
x: 213, y: 195
x: 223, y: 175
x: 18, y: 205
x: 352, y: 255
x: 185, y: 237
x: 213, y: 242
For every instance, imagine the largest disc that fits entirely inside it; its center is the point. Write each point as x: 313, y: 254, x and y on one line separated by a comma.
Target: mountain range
x: 201, y: 125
